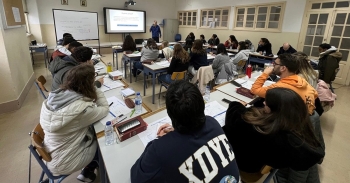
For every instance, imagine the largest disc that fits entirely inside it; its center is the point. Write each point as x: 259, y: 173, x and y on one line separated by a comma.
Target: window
x: 215, y: 18
x: 187, y: 18
x: 264, y: 17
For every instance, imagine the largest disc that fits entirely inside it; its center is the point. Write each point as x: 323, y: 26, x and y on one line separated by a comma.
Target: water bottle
x: 264, y: 53
x: 249, y: 71
x: 207, y: 94
x: 138, y: 103
x: 188, y: 50
x: 109, y: 134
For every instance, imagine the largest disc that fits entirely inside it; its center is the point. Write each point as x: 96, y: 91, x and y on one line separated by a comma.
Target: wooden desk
x: 260, y: 59
x: 40, y: 48
x: 119, y: 158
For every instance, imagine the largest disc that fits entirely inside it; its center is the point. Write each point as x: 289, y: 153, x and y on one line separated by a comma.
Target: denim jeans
x: 165, y: 78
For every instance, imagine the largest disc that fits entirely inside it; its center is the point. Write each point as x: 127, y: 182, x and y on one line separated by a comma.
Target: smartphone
x: 128, y: 126
x: 235, y: 83
x: 226, y: 100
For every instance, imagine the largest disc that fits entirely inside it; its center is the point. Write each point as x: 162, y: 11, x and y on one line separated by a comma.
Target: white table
x: 119, y: 158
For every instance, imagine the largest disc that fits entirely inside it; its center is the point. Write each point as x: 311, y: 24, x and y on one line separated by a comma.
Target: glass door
x: 339, y: 35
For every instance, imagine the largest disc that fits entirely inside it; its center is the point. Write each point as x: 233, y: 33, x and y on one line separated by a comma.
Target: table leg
x: 126, y: 76
x: 31, y: 52
x: 116, y: 58
x: 131, y: 61
x: 113, y: 56
x: 45, y: 53
x: 153, y: 83
x: 144, y: 82
x: 103, y: 173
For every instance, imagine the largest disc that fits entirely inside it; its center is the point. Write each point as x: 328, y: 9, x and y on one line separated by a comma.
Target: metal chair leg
x: 160, y: 91
x: 331, y: 87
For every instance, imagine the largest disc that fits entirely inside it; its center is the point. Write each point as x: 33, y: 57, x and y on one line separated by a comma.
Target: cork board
x: 14, y: 14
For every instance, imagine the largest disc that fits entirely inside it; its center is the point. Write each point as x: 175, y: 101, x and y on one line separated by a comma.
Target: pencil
x: 133, y: 111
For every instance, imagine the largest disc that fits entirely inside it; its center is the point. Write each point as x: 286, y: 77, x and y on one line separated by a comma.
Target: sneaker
x: 86, y: 175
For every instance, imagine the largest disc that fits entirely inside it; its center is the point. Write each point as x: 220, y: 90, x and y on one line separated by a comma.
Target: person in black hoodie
x: 194, y: 149
x: 264, y: 46
x: 198, y: 57
x: 279, y: 135
x: 59, y: 67
x: 214, y: 40
x: 286, y: 48
x: 191, y: 37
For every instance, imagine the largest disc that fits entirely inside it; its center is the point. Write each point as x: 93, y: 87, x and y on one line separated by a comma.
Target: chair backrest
x: 40, y: 82
x: 241, y: 63
x: 37, y: 137
x: 178, y: 37
x: 178, y: 75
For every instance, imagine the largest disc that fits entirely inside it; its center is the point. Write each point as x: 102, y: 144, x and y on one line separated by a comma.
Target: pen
x: 133, y: 111
x: 110, y: 104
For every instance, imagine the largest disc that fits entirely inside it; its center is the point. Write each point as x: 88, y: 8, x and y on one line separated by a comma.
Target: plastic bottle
x: 264, y: 53
x: 109, y: 67
x: 188, y: 50
x: 249, y: 71
x: 109, y: 134
x: 207, y: 94
x: 138, y: 103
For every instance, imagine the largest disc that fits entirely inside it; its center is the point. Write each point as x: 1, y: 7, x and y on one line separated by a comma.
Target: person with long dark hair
x: 279, y: 135
x: 220, y: 59
x: 243, y: 52
x: 198, y: 57
x: 191, y: 37
x: 231, y: 42
x: 66, y: 117
x: 193, y: 149
x: 149, y: 52
x: 129, y: 44
x: 179, y: 63
x: 264, y: 46
x: 201, y: 37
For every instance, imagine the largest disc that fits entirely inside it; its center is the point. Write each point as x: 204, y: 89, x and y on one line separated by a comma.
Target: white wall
x: 292, y: 20
x: 41, y: 14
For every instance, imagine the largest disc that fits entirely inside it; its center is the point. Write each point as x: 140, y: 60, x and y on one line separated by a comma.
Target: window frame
x: 185, y: 18
x: 220, y: 22
x: 256, y: 15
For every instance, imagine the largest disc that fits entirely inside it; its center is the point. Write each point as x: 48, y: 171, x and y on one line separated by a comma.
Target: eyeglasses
x: 274, y: 63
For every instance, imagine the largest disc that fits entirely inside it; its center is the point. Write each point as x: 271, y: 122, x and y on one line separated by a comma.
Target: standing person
x: 220, y: 59
x: 286, y: 48
x: 328, y: 62
x: 156, y: 32
x: 201, y: 37
x: 286, y: 66
x: 264, y: 46
x: 231, y: 42
x: 66, y: 117
x: 149, y: 52
x: 214, y: 40
x: 179, y: 63
x: 243, y: 52
x: 198, y: 57
x: 199, y: 151
x: 279, y: 135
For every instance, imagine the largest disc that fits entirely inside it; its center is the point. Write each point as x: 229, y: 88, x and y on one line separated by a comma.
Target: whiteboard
x: 82, y: 25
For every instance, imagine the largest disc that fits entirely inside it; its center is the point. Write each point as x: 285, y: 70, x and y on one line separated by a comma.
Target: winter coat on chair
x: 328, y: 63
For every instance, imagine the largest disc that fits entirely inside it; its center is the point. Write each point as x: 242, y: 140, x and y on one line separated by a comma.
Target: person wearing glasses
x: 286, y: 67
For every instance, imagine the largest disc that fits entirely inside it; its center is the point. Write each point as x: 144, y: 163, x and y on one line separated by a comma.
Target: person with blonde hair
x: 179, y: 63
x: 166, y: 51
x: 305, y: 70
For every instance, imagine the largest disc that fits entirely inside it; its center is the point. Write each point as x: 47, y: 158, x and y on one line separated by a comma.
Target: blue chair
x: 38, y: 151
x: 178, y: 37
x: 39, y: 83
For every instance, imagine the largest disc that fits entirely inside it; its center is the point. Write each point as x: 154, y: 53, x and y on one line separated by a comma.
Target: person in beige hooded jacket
x: 66, y: 117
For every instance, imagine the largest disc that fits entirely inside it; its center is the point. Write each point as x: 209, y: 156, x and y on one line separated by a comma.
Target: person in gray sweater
x: 220, y: 59
x: 149, y: 52
x: 243, y: 53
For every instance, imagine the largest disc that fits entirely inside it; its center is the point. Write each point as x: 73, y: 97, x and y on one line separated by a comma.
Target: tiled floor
x: 14, y: 139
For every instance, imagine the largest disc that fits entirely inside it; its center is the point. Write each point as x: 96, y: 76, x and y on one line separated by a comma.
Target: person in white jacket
x: 243, y: 53
x: 66, y: 117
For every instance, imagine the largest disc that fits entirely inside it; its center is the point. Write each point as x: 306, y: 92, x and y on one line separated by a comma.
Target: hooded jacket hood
x: 59, y: 99
x: 295, y: 81
x: 333, y: 52
x: 57, y: 64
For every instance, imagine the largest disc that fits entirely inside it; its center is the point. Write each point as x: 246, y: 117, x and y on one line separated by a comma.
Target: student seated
x: 243, y: 53
x: 250, y: 45
x: 66, y: 117
x: 231, y: 43
x: 305, y: 70
x: 59, y: 68
x: 328, y: 62
x: 214, y: 40
x: 71, y: 48
x: 188, y: 45
x: 198, y: 57
x: 193, y: 149
x: 201, y: 37
x: 128, y: 47
x: 264, y: 46
x: 179, y: 63
x: 286, y: 66
x: 60, y: 41
x: 149, y: 52
x: 220, y: 59
x: 279, y: 135
x: 191, y: 37
x: 63, y: 51
x: 286, y: 48
x: 167, y: 52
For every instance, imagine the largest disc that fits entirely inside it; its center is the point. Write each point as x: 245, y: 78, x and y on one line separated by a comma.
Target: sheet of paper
x: 163, y: 63
x: 116, y: 73
x: 210, y: 56
x: 248, y: 84
x: 109, y: 84
x: 151, y: 132
x: 240, y: 81
x: 214, y: 109
x: 97, y: 68
x: 117, y: 108
x: 134, y: 55
x: 16, y: 14
x: 127, y: 92
x: 221, y: 119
